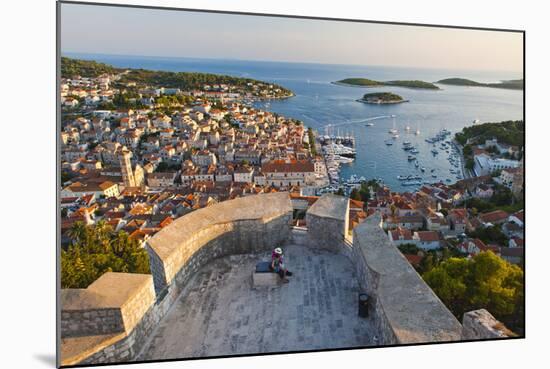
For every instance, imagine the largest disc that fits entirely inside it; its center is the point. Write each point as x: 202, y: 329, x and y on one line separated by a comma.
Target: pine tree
x: 96, y: 250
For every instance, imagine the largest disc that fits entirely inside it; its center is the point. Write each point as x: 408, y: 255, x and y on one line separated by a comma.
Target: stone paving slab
x: 221, y: 314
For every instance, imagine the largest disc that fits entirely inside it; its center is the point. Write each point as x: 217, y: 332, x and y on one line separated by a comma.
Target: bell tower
x: 126, y: 168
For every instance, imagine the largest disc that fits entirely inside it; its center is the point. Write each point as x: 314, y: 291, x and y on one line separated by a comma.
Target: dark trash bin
x: 363, y: 305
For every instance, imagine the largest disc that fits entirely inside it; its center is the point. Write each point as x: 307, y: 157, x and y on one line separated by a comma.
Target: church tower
x: 126, y: 168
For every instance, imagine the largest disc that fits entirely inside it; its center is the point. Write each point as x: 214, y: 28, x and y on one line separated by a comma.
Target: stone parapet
x: 111, y: 320
x: 104, y: 316
x: 404, y: 308
x: 480, y: 324
x: 244, y: 225
x: 114, y: 303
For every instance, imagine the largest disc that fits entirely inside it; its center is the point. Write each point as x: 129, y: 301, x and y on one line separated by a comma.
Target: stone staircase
x: 298, y: 236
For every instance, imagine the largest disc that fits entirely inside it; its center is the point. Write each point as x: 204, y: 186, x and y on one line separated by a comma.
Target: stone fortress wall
x: 402, y: 307
x: 327, y: 222
x: 405, y: 309
x: 113, y: 318
x: 245, y: 225
x: 114, y: 303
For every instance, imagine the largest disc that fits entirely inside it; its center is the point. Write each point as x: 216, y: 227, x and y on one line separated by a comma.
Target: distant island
x: 382, y: 98
x: 365, y: 82
x: 515, y: 84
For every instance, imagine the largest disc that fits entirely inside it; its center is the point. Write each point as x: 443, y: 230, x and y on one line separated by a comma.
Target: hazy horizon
x: 157, y: 33
x: 97, y: 56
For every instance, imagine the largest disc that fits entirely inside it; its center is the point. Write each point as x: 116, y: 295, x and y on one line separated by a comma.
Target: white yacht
x: 343, y: 159
x: 339, y: 149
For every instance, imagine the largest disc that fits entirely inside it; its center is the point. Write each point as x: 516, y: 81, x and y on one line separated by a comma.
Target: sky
x: 151, y: 32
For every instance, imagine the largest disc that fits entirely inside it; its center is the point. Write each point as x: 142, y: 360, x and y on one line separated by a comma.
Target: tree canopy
x: 85, y: 68
x: 484, y: 281
x: 383, y: 96
x: 191, y: 80
x: 363, y: 192
x: 492, y: 234
x: 502, y: 199
x: 359, y: 82
x: 515, y: 84
x: 311, y: 138
x: 508, y: 132
x: 401, y: 83
x: 184, y: 80
x: 99, y: 249
x: 412, y: 84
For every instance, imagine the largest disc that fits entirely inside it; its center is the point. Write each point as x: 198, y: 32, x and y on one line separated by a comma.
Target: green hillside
x: 516, y: 84
x: 365, y: 82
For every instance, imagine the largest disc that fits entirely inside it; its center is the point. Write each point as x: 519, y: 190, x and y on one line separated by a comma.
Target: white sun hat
x: 278, y: 250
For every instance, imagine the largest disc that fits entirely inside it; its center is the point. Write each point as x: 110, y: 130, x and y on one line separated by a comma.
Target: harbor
x: 317, y: 102
x: 337, y: 150
x: 421, y: 156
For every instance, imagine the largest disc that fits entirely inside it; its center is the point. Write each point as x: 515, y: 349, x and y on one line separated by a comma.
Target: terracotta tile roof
x: 459, y: 213
x: 90, y: 186
x: 280, y: 166
x: 494, y: 216
x: 401, y: 234
x: 113, y: 222
x: 409, y: 219
x: 428, y: 236
x: 68, y: 200
x: 426, y: 190
x: 478, y: 151
x: 166, y: 222
x: 413, y: 259
x: 480, y: 245
x: 513, y: 170
x: 520, y: 215
x: 520, y: 242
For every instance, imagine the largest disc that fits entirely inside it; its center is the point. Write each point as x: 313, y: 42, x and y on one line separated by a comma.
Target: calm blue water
x: 318, y: 103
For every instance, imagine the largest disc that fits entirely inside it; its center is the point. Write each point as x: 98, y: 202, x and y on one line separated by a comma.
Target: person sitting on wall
x: 278, y: 266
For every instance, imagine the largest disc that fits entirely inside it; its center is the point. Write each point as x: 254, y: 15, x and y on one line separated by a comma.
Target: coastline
x: 357, y: 115
x: 482, y: 85
x: 259, y: 99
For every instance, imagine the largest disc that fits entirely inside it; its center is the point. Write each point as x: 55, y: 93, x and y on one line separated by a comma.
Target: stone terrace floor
x: 221, y: 314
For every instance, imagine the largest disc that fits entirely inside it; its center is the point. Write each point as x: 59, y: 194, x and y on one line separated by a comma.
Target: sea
x: 319, y: 103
